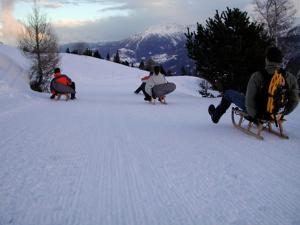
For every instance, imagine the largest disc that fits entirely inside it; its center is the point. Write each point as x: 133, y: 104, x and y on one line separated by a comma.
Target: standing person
x: 156, y: 79
x: 63, y: 79
x: 251, y: 103
x: 142, y: 86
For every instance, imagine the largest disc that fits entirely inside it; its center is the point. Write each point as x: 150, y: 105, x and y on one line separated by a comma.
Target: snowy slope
x: 109, y: 158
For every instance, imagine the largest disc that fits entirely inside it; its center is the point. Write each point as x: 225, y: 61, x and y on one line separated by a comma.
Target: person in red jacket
x: 61, y: 79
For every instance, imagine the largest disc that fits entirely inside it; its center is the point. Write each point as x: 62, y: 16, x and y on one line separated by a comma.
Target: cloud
x: 71, y: 23
x: 10, y: 26
x: 51, y: 5
x: 117, y: 19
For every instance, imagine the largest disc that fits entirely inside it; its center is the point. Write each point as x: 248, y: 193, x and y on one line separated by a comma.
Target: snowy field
x: 109, y: 158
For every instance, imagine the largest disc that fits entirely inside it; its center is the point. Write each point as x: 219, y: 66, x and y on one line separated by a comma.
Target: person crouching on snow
x: 64, y: 80
x: 156, y: 79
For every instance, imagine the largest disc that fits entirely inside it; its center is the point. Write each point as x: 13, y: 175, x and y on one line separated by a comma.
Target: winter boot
x: 211, y: 110
x: 52, y: 96
x: 217, y: 112
x: 73, y: 96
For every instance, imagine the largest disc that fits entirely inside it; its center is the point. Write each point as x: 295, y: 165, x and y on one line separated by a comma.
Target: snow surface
x: 162, y: 58
x: 110, y: 158
x: 167, y: 30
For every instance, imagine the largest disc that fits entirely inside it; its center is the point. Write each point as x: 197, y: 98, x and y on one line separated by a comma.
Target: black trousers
x: 140, y: 88
x: 72, y: 85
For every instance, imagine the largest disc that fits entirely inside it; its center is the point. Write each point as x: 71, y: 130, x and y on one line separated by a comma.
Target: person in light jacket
x: 156, y: 79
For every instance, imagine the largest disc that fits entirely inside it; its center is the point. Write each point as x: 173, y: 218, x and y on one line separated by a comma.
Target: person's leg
x: 230, y: 96
x: 140, y: 88
x: 147, y: 97
x: 236, y: 98
x: 72, y: 85
x: 53, y: 94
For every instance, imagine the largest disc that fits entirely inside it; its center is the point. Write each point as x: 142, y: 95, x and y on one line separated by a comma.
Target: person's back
x: 156, y: 79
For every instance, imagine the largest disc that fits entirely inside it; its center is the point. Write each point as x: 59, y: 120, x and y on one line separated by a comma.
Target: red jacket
x: 63, y: 80
x: 145, y: 78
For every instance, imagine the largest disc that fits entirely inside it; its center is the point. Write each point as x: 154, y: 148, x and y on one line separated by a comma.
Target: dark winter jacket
x: 256, y: 84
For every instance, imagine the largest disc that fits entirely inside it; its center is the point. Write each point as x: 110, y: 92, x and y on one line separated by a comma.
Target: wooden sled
x: 251, y: 127
x: 161, y: 99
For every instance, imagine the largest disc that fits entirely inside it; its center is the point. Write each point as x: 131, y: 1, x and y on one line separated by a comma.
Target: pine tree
x: 142, y: 65
x: 126, y: 63
x: 108, y: 57
x: 75, y: 51
x: 183, y: 70
x: 68, y: 50
x: 169, y: 73
x: 228, y: 49
x: 97, y: 54
x: 88, y: 52
x: 117, y: 57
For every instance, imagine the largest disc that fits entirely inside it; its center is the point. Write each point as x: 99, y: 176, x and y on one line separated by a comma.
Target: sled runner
x: 161, y: 99
x: 67, y: 96
x: 261, y: 125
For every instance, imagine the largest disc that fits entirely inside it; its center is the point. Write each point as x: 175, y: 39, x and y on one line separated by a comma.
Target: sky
x: 110, y: 20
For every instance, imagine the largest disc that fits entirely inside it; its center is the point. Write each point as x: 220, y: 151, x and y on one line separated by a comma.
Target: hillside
x: 110, y: 158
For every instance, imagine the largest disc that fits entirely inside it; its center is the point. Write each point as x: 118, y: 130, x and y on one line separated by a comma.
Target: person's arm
x: 145, y: 78
x: 69, y: 80
x: 251, y: 93
x: 149, y: 85
x: 293, y: 97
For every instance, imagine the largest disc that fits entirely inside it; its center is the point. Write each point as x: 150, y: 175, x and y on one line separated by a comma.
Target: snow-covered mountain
x: 164, y: 44
x: 110, y: 158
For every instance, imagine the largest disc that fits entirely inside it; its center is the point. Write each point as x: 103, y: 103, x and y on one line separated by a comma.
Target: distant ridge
x: 165, y: 44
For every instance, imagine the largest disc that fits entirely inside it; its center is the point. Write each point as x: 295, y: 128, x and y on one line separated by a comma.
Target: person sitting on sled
x: 62, y: 79
x: 248, y: 103
x: 156, y: 79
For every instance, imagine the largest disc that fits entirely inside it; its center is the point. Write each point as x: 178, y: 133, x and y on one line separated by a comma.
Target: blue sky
x: 108, y: 20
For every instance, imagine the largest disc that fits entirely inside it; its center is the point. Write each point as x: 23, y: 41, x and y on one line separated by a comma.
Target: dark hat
x: 57, y: 70
x: 273, y: 54
x: 156, y: 69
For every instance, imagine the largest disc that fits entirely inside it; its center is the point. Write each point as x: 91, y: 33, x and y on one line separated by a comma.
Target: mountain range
x: 164, y: 44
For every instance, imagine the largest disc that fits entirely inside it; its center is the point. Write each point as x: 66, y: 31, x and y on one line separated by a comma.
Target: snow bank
x: 13, y: 67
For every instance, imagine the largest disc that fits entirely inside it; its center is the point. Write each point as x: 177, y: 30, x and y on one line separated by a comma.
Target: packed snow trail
x: 109, y: 158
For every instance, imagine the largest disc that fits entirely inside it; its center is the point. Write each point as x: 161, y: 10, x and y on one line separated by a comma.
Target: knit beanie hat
x: 273, y: 54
